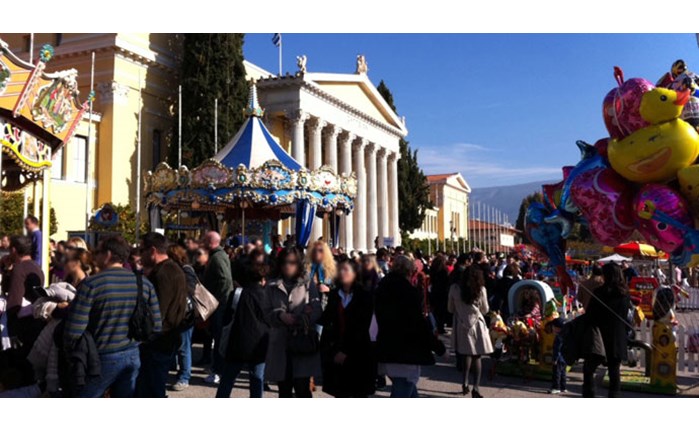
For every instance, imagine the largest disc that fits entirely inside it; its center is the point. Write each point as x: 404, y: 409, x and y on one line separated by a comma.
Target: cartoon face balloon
x: 620, y: 106
x: 655, y: 153
x: 668, y: 201
x: 605, y: 200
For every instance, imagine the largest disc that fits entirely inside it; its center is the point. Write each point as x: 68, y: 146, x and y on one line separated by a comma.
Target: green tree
x: 126, y: 226
x: 519, y: 225
x: 12, y: 212
x: 413, y: 189
x: 212, y: 68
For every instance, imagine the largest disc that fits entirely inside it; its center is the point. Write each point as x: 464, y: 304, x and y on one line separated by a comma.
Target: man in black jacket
x: 405, y: 339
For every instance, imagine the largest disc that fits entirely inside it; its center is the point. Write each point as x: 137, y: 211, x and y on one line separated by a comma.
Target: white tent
x: 615, y: 258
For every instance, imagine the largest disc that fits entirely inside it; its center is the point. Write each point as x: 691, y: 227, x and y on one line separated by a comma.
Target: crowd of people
x: 117, y: 319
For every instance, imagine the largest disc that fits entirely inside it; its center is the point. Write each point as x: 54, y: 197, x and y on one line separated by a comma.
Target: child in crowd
x: 559, y: 363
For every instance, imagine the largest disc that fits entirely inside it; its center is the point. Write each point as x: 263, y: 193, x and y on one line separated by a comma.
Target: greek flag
x: 277, y: 39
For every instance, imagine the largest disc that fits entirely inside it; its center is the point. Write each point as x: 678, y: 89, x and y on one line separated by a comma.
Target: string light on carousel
x: 251, y: 180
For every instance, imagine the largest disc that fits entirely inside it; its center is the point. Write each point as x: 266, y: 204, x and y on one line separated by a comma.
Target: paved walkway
x: 443, y: 380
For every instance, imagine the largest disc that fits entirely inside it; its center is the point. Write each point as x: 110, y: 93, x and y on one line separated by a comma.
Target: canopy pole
x: 215, y: 126
x: 87, y: 149
x: 179, y: 126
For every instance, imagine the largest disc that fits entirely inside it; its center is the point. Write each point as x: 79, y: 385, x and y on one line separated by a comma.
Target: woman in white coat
x: 468, y: 302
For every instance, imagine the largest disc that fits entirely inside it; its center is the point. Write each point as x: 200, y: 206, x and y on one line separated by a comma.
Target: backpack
x: 228, y: 325
x: 142, y: 322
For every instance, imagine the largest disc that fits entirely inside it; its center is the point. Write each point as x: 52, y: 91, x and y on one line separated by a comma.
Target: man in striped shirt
x: 103, y: 307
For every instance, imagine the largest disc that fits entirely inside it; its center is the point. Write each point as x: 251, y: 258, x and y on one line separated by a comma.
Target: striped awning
x: 253, y: 145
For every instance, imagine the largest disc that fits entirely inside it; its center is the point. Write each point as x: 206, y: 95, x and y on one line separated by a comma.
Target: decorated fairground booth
x: 39, y: 113
x: 247, y: 187
x: 643, y: 178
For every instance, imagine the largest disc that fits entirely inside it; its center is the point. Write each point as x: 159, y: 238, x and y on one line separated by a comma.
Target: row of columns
x: 376, y: 205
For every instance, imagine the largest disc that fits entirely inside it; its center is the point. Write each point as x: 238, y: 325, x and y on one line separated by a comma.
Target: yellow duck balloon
x: 657, y: 153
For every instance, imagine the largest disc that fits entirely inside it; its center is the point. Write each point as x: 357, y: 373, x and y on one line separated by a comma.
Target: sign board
x: 643, y: 289
x: 388, y: 242
x: 507, y: 240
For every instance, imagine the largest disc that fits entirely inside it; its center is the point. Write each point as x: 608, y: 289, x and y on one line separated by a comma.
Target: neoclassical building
x: 342, y: 121
x: 448, y: 220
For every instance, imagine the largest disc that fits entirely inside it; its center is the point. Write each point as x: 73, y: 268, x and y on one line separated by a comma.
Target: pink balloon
x: 671, y: 203
x: 621, y: 106
x: 604, y: 199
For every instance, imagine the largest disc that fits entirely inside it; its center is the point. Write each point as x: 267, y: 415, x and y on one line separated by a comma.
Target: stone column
x: 360, y: 202
x: 298, y: 150
x: 371, y: 198
x: 382, y: 190
x: 330, y: 134
x: 346, y: 230
x: 315, y: 160
x: 393, y: 226
x: 315, y: 156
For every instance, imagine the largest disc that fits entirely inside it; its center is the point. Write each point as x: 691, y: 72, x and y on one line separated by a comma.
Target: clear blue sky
x: 501, y: 109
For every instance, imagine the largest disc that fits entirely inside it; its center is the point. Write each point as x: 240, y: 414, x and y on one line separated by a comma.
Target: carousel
x: 251, y: 182
x: 39, y: 113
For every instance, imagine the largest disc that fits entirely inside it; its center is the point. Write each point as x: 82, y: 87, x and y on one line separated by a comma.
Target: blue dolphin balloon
x: 548, y: 238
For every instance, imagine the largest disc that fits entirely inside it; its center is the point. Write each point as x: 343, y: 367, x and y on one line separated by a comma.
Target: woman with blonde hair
x: 320, y: 266
x: 76, y: 243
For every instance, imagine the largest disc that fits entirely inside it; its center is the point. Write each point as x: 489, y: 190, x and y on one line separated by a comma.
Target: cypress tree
x: 413, y: 189
x: 212, y: 68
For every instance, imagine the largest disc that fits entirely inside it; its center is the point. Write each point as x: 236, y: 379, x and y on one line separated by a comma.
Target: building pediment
x: 359, y: 92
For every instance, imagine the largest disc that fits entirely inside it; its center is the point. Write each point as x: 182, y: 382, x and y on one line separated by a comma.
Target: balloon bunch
x: 643, y: 177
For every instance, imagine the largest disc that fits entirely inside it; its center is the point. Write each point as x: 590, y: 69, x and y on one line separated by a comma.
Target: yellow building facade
x: 448, y: 220
x: 133, y: 72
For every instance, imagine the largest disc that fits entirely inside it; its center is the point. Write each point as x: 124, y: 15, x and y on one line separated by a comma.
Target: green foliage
x: 126, y: 226
x: 413, y: 189
x: 212, y: 68
x: 12, y: 212
x: 519, y: 225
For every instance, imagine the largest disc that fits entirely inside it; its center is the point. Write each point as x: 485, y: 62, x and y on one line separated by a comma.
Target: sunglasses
x: 291, y: 262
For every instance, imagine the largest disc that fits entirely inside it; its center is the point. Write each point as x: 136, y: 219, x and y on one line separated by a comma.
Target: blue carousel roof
x: 253, y: 145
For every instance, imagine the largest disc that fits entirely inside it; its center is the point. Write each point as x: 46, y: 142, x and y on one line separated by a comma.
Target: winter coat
x: 470, y: 334
x: 305, y: 307
x: 581, y: 340
x: 405, y: 335
x: 218, y: 276
x: 610, y: 316
x: 346, y: 330
x: 249, y: 335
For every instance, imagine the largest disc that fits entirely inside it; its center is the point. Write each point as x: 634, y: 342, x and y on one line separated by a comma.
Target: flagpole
x: 280, y: 54
x: 138, y: 159
x: 87, y: 149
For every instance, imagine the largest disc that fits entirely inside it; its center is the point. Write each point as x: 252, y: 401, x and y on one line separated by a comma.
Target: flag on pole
x: 277, y: 39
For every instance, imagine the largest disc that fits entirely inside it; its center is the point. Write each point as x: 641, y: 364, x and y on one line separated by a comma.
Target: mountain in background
x: 505, y: 198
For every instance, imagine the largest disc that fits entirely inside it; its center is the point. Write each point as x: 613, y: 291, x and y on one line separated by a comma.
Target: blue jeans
x: 402, y: 388
x: 230, y: 373
x: 119, y: 371
x: 216, y: 327
x: 155, y: 366
x: 184, y: 356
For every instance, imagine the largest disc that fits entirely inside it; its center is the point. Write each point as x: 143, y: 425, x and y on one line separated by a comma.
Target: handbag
x: 142, y: 321
x: 303, y: 339
x: 205, y: 303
